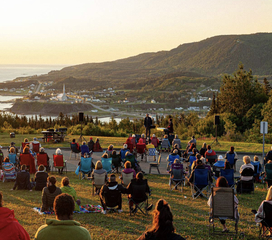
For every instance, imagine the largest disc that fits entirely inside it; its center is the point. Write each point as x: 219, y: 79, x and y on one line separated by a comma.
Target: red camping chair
x: 42, y: 159
x: 29, y: 161
x: 58, y: 162
x: 35, y: 147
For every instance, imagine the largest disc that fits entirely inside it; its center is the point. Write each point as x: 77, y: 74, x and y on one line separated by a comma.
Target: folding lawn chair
x: 106, y: 163
x: 171, y: 159
x: 222, y: 207
x: 246, y: 186
x: 155, y: 164
x: 165, y: 144
x: 176, y: 176
x: 123, y: 153
x: 266, y: 224
x: 85, y: 167
x: 98, y: 181
x: 229, y: 175
x: 200, y: 183
x: 9, y: 172
x: 42, y: 160
x: 59, y: 163
x: 152, y: 152
x: 126, y: 178
x: 268, y: 174
x: 141, y: 151
x: 74, y: 151
x: 35, y: 147
x: 211, y: 159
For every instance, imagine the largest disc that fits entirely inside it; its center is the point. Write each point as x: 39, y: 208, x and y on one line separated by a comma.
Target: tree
x: 213, y: 108
x: 267, y: 86
x: 240, y: 92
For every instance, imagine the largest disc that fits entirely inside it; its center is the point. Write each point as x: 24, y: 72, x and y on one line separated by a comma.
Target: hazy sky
x: 74, y: 32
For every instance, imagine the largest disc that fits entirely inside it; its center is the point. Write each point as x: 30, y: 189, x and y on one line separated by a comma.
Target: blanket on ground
x: 83, y: 209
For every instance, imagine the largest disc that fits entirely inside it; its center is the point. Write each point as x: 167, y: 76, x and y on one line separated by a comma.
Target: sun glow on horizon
x: 75, y: 32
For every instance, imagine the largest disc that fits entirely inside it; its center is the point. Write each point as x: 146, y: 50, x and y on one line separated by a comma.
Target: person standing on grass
x: 10, y: 228
x: 147, y: 124
x: 63, y: 227
x: 162, y: 227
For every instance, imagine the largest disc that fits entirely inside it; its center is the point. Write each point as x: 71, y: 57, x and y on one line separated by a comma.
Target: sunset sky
x: 74, y: 32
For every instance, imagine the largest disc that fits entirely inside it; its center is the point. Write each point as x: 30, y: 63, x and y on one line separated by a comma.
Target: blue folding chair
x: 231, y: 159
x: 85, y: 167
x: 123, y: 153
x: 106, y: 163
x: 229, y: 175
x: 12, y: 158
x: 200, y: 183
x: 171, y: 159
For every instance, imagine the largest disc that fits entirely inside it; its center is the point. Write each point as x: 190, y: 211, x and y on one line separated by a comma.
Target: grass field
x: 190, y: 216
x: 118, y: 143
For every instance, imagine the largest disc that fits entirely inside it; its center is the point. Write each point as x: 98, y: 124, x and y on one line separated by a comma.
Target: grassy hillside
x: 210, y: 57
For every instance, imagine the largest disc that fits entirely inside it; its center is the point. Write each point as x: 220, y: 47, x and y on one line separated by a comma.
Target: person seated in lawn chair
x: 116, y: 161
x: 137, y: 190
x: 134, y: 163
x: 257, y: 169
x: 171, y: 158
x: 180, y: 152
x: 84, y: 149
x: 12, y: 144
x: 123, y: 152
x: 63, y: 227
x: 199, y: 165
x: 75, y: 146
x: 111, y: 195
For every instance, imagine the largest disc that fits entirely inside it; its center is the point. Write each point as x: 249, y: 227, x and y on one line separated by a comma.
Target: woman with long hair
x: 162, y: 227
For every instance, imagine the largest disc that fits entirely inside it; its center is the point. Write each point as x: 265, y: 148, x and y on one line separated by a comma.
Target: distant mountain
x: 210, y: 57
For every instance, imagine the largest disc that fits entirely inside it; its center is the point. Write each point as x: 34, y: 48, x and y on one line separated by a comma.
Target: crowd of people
x: 63, y: 201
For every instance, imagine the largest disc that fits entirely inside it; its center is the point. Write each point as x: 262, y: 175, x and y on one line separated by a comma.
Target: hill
x: 209, y: 57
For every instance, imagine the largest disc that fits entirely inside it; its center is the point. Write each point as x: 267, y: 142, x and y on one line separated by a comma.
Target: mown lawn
x: 119, y: 141
x: 190, y: 216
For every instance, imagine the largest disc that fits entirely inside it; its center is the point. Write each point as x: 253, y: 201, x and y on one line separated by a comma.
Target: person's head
x: 133, y: 135
x: 1, y: 199
x: 26, y: 149
x: 42, y: 150
x: 209, y: 147
x: 227, y: 165
x: 269, y: 161
x: 193, y: 137
x: 246, y: 159
x: 125, y: 146
x: 64, y: 181
x: 91, y: 138
x: 232, y: 149
x: 6, y: 159
x: 12, y: 150
x: 204, y: 145
x: 112, y: 178
x: 64, y: 206
x: 51, y: 181
x: 110, y: 147
x: 58, y: 151
x: 127, y: 164
x: 98, y: 165
x: 143, y: 136
x: 153, y: 135
x: 84, y: 143
x: 176, y: 136
x: 139, y: 176
x: 162, y: 219
x: 199, y: 162
x: 176, y: 146
x: 12, y: 144
x: 269, y: 194
x: 25, y: 140
x: 147, y: 115
x: 41, y: 168
x: 114, y: 153
x: 165, y: 136
x: 194, y: 151
x: 97, y: 140
x: 105, y: 155
x: 220, y: 158
x: 198, y: 156
x: 176, y: 161
x: 175, y: 151
x: 34, y: 139
x: 256, y: 158
x: 74, y: 140
x: 222, y: 182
